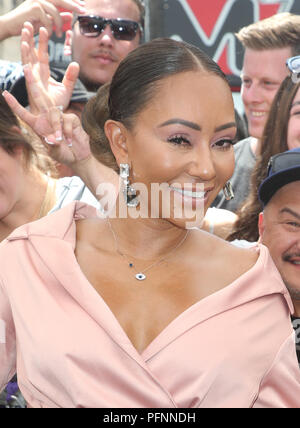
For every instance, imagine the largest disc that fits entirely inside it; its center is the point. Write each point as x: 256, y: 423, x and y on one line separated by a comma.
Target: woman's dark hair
x: 11, y: 135
x: 274, y: 141
x: 135, y: 82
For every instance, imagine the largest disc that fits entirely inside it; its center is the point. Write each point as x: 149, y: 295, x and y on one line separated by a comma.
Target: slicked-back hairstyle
x: 278, y: 31
x: 274, y: 141
x: 135, y: 83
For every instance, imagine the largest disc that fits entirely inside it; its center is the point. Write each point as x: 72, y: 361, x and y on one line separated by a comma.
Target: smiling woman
x: 172, y: 137
x: 193, y: 332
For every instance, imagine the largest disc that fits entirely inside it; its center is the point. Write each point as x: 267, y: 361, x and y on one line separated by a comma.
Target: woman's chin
x: 194, y: 222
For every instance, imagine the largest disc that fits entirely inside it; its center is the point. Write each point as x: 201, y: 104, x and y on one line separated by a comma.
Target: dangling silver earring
x: 129, y: 192
x: 228, y: 191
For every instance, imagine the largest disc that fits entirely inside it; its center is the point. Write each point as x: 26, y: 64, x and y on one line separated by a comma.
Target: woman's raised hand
x: 62, y: 134
x: 44, y: 91
x: 67, y: 143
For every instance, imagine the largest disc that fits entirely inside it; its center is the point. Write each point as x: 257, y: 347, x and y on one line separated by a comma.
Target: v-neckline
x: 63, y: 241
x: 171, y: 326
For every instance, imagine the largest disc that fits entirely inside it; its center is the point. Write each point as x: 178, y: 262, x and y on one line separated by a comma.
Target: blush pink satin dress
x: 235, y: 348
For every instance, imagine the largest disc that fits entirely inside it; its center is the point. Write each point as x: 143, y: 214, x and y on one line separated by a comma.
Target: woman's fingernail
x: 58, y: 136
x: 48, y: 141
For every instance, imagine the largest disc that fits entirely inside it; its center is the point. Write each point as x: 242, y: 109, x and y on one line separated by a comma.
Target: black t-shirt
x: 296, y: 325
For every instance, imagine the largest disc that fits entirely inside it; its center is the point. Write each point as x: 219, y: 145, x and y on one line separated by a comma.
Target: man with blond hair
x: 267, y: 45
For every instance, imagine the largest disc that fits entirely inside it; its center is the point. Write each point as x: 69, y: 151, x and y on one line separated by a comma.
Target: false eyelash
x: 178, y: 140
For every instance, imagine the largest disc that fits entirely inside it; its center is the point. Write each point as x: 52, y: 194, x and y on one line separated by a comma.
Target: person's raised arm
x: 40, y: 13
x: 63, y: 135
x: 92, y: 172
x: 67, y: 143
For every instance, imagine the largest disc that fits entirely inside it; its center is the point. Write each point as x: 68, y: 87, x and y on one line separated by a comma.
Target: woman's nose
x: 202, y: 165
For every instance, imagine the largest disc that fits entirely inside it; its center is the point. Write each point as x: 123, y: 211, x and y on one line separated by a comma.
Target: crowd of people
x: 122, y: 211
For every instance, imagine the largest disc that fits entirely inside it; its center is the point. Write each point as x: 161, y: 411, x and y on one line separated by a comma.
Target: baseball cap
x: 79, y: 95
x: 283, y: 168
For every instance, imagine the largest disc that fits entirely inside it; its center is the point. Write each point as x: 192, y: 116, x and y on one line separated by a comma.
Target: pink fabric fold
x: 232, y: 349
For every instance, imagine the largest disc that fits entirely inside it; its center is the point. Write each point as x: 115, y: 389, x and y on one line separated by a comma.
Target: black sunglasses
x: 293, y: 64
x: 122, y: 29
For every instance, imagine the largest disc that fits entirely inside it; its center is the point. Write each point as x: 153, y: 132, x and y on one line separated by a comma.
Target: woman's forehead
x: 190, y: 93
x: 191, y: 83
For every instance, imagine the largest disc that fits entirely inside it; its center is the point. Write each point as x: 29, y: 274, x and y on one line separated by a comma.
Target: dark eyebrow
x: 181, y: 122
x: 289, y: 211
x: 225, y: 126
x: 296, y: 103
x: 195, y: 125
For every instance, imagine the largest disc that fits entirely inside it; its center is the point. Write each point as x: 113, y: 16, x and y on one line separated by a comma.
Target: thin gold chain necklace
x: 140, y: 275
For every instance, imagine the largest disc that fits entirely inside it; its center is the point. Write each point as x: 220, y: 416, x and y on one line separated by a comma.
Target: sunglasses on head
x: 283, y: 161
x: 293, y: 64
x: 122, y: 29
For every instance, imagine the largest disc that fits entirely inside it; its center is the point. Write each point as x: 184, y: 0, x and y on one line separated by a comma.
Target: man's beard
x: 89, y: 84
x: 294, y: 292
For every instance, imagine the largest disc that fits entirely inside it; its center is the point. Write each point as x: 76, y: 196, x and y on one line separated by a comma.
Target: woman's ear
x: 117, y: 135
x: 261, y: 225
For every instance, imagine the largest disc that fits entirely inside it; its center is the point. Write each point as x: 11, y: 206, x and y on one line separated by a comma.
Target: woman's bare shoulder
x: 239, y: 259
x: 235, y: 259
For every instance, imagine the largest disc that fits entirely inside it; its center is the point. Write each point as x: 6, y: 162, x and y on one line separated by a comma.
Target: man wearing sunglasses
x: 103, y: 36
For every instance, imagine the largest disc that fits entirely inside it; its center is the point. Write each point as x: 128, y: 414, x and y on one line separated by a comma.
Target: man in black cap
x: 279, y: 223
